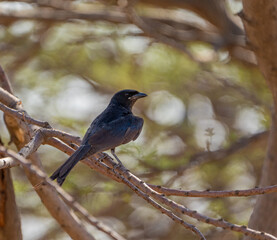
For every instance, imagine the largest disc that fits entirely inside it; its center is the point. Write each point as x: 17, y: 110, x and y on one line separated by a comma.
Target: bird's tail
x: 61, y: 173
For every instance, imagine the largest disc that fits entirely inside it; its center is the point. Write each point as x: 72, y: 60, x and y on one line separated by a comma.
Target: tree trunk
x: 260, y: 22
x: 10, y: 225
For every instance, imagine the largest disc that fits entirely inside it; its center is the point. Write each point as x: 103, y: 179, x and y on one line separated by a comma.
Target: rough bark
x: 260, y: 22
x: 10, y: 225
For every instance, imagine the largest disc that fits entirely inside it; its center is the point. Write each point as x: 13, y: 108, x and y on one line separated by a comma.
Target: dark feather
x: 61, y: 173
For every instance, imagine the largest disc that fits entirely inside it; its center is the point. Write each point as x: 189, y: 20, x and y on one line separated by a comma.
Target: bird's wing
x: 114, y: 133
x: 134, y: 129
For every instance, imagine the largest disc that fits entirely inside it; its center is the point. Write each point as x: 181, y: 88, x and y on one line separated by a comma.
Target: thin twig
x: 162, y: 209
x: 215, y: 194
x: 23, y: 115
x: 139, y: 191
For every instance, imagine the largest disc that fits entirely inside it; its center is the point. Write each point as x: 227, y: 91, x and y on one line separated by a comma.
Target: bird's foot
x: 117, y: 159
x: 103, y: 155
x: 119, y: 165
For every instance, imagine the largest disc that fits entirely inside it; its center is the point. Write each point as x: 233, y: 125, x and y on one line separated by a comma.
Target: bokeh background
x: 206, y: 117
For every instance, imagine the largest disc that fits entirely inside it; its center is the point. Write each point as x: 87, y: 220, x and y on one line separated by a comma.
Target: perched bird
x: 116, y: 125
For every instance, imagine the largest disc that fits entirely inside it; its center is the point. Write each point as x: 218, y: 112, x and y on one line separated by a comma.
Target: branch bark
x: 214, y: 194
x: 10, y: 224
x: 45, y: 181
x: 142, y: 186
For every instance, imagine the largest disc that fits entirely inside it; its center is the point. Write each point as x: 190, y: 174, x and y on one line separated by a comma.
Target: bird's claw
x: 119, y: 165
x: 100, y: 159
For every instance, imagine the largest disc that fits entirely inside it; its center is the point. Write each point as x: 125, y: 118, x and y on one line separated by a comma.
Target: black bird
x: 116, y: 125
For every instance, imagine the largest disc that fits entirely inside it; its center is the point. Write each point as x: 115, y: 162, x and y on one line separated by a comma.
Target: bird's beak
x: 138, y: 95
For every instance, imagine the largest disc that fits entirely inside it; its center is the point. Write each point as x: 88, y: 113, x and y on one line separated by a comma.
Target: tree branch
x: 68, y: 199
x: 215, y: 194
x: 8, y: 162
x: 10, y: 222
x: 182, y: 209
x: 23, y: 115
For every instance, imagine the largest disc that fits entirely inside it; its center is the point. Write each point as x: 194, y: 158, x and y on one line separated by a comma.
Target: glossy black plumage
x: 116, y: 125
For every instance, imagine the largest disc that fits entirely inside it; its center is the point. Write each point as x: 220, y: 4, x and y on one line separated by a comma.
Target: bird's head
x: 127, y: 97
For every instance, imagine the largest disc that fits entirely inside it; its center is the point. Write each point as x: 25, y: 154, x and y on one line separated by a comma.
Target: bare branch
x: 41, y: 137
x: 215, y: 194
x: 23, y: 116
x: 50, y: 15
x: 162, y: 209
x: 183, y: 210
x: 140, y: 192
x: 86, y: 216
x: 69, y: 199
x: 8, y: 162
x: 8, y: 99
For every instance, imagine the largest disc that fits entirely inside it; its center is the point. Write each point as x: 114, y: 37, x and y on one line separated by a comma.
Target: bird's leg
x: 103, y: 155
x: 113, y: 153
